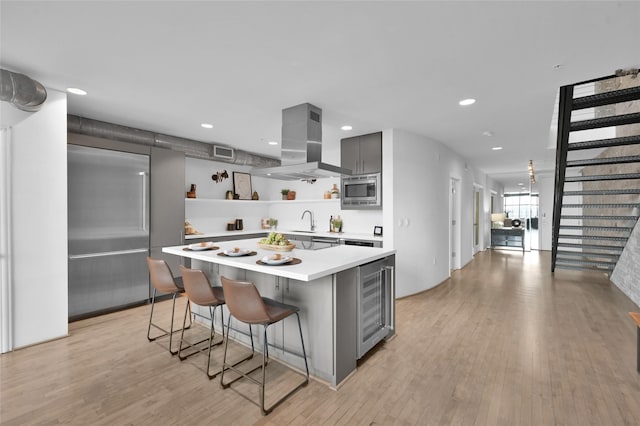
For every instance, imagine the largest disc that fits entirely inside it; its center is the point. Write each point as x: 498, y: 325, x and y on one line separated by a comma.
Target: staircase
x: 597, y: 182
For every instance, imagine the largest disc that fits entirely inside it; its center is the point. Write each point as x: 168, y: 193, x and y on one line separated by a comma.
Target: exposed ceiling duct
x: 301, y: 148
x: 21, y: 91
x: 191, y: 148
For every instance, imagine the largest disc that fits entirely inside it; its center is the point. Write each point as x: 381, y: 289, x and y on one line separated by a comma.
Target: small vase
x: 192, y: 192
x: 291, y: 195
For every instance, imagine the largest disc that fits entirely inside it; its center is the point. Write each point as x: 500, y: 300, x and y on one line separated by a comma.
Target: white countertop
x: 325, y: 234
x: 315, y: 263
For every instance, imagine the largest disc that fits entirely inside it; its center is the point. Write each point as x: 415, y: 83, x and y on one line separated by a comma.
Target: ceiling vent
x: 223, y: 152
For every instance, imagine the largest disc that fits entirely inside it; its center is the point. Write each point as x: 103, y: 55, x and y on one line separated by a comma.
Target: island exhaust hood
x: 301, y: 148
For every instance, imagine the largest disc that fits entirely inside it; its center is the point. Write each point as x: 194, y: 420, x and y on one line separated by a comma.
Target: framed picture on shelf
x: 242, y: 185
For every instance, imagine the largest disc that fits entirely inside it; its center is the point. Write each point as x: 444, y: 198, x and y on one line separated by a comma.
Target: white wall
x: 545, y: 186
x: 37, y: 250
x: 417, y: 209
x: 210, y: 217
x: 625, y: 275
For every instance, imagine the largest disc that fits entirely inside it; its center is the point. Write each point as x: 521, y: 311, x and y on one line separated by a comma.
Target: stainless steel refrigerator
x: 108, y: 200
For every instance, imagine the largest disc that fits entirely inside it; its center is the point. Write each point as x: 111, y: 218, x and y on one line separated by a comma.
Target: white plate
x: 196, y: 247
x: 269, y: 260
x: 241, y: 252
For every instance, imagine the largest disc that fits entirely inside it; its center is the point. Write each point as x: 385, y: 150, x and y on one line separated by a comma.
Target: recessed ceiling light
x: 346, y: 127
x: 273, y: 143
x: 466, y: 102
x: 487, y: 133
x: 207, y: 125
x: 496, y: 148
x: 76, y: 91
x: 521, y: 184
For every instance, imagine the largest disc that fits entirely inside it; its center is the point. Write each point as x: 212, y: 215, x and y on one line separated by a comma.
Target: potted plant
x: 285, y: 193
x: 337, y: 224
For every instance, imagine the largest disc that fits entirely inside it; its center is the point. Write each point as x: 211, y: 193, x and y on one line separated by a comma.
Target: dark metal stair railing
x: 567, y: 103
x: 564, y: 127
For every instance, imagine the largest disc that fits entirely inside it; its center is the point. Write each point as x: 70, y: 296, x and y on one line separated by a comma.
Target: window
x: 521, y: 205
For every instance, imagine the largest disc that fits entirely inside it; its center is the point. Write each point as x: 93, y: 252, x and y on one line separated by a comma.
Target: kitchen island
x: 332, y: 287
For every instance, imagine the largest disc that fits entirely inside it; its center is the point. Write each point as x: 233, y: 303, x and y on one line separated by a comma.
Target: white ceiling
x: 169, y: 66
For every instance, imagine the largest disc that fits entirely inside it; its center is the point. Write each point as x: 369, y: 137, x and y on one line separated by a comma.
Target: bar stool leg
x: 165, y: 332
x: 264, y: 370
x: 193, y: 344
x: 304, y: 352
x: 211, y: 341
x: 265, y: 410
x: 153, y: 303
x: 227, y: 366
x: 173, y: 310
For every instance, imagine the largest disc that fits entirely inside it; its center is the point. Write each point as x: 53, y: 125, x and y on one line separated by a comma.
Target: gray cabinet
x: 362, y: 154
x: 166, y: 204
x: 507, y: 237
x: 315, y: 302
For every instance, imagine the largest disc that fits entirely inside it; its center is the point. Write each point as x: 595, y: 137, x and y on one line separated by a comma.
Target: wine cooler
x: 376, y: 317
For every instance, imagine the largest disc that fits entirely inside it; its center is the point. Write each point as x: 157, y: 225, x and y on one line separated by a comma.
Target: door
x: 477, y: 219
x: 454, y: 228
x: 108, y: 217
x: 373, y: 295
x: 371, y: 153
x: 350, y: 154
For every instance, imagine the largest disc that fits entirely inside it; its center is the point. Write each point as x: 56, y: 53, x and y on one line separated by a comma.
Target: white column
x: 6, y: 327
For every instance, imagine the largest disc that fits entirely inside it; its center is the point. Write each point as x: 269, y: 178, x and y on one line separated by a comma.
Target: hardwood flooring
x: 503, y: 342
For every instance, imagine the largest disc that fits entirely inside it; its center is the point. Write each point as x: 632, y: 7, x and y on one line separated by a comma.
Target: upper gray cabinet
x: 167, y: 204
x: 362, y: 154
x: 167, y: 197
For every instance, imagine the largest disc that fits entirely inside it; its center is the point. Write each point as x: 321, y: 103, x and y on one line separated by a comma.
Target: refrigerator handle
x: 143, y: 175
x: 108, y: 253
x: 391, y: 291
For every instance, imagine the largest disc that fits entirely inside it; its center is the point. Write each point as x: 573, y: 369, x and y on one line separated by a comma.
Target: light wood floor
x: 503, y: 342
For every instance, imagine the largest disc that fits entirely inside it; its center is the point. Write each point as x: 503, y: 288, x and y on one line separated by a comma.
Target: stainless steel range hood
x: 301, y: 148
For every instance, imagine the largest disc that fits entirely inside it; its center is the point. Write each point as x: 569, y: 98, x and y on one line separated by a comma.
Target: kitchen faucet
x: 312, y: 222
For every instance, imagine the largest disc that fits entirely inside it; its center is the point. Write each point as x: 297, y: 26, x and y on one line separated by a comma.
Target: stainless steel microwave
x: 361, y: 192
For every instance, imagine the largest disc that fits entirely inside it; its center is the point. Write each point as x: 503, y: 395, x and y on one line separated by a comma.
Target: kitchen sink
x: 311, y: 245
x: 306, y: 232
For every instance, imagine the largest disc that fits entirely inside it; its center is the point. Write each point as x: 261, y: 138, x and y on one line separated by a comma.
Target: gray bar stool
x: 246, y: 305
x: 163, y: 281
x: 200, y: 292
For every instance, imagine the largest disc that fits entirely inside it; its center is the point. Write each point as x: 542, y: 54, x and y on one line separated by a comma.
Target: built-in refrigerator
x: 108, y: 205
